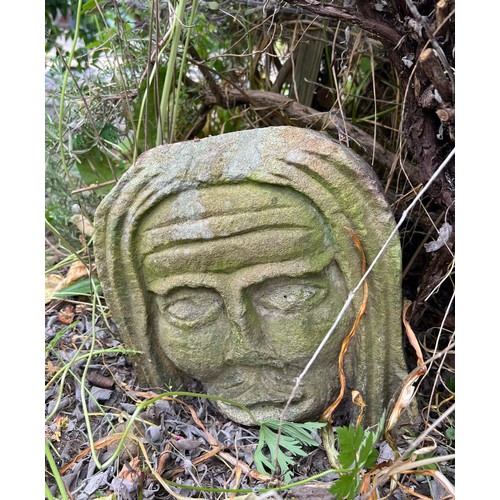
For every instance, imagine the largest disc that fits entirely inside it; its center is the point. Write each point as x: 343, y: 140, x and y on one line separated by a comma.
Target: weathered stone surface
x: 227, y: 260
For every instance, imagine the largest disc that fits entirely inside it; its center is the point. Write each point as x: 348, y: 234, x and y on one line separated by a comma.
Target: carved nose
x: 246, y: 343
x: 243, y: 318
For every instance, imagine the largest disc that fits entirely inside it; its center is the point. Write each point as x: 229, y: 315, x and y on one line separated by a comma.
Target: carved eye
x: 189, y: 307
x: 293, y: 297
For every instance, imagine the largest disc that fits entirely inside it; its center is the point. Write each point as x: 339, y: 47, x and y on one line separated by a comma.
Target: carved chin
x: 267, y: 403
x: 265, y: 394
x: 305, y: 409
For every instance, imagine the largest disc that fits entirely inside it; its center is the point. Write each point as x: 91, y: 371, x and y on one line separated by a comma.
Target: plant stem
x: 55, y: 471
x: 181, y: 71
x: 174, y: 48
x: 63, y: 91
x: 48, y: 494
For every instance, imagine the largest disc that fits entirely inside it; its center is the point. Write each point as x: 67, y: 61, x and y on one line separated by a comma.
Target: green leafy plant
x: 81, y: 287
x: 283, y: 446
x: 357, y: 453
x: 450, y: 433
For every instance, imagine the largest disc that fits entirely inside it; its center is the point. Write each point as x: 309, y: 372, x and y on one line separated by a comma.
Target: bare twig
x: 94, y: 186
x: 372, y: 25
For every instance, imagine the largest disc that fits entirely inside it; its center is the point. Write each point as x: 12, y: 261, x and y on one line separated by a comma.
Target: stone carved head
x: 227, y: 260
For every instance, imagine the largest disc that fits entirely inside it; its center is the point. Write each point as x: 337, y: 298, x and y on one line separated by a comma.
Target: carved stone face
x: 228, y: 259
x: 243, y: 286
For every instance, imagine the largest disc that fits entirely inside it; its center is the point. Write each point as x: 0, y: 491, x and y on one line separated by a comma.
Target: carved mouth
x: 299, y: 408
x: 268, y: 387
x: 267, y: 399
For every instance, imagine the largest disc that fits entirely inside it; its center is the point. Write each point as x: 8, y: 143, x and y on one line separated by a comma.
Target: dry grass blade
x: 237, y: 480
x: 101, y: 443
x: 406, y: 463
x: 409, y: 491
x: 327, y: 414
x: 203, y: 458
x: 408, y: 391
x: 428, y: 472
x: 217, y: 447
x: 411, y: 334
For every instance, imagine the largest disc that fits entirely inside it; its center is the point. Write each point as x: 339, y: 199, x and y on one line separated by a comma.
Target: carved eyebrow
x: 191, y: 237
x: 231, y: 252
x: 249, y: 275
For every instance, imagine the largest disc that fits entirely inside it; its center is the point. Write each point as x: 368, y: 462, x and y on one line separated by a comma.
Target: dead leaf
x: 52, y: 282
x: 164, y: 458
x: 83, y: 224
x: 186, y: 444
x: 51, y: 369
x: 127, y: 482
x: 76, y: 271
x: 55, y: 282
x: 130, y: 471
x: 67, y: 314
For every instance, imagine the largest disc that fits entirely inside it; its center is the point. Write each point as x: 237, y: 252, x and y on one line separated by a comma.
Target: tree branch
x: 290, y: 112
x: 373, y: 25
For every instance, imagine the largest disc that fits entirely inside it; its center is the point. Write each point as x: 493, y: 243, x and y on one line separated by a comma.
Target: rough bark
x: 424, y: 31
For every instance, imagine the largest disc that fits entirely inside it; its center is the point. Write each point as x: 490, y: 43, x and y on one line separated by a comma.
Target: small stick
x: 446, y: 115
x: 100, y: 380
x: 434, y: 71
x: 93, y: 186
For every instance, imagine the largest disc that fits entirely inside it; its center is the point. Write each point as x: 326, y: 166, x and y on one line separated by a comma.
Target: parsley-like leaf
x: 294, y: 437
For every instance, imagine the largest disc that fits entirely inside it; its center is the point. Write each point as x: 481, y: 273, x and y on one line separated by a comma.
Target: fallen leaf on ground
x: 126, y: 483
x: 67, y: 314
x: 52, y: 282
x: 130, y: 471
x: 55, y: 282
x: 186, y: 444
x: 51, y: 369
x: 76, y: 271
